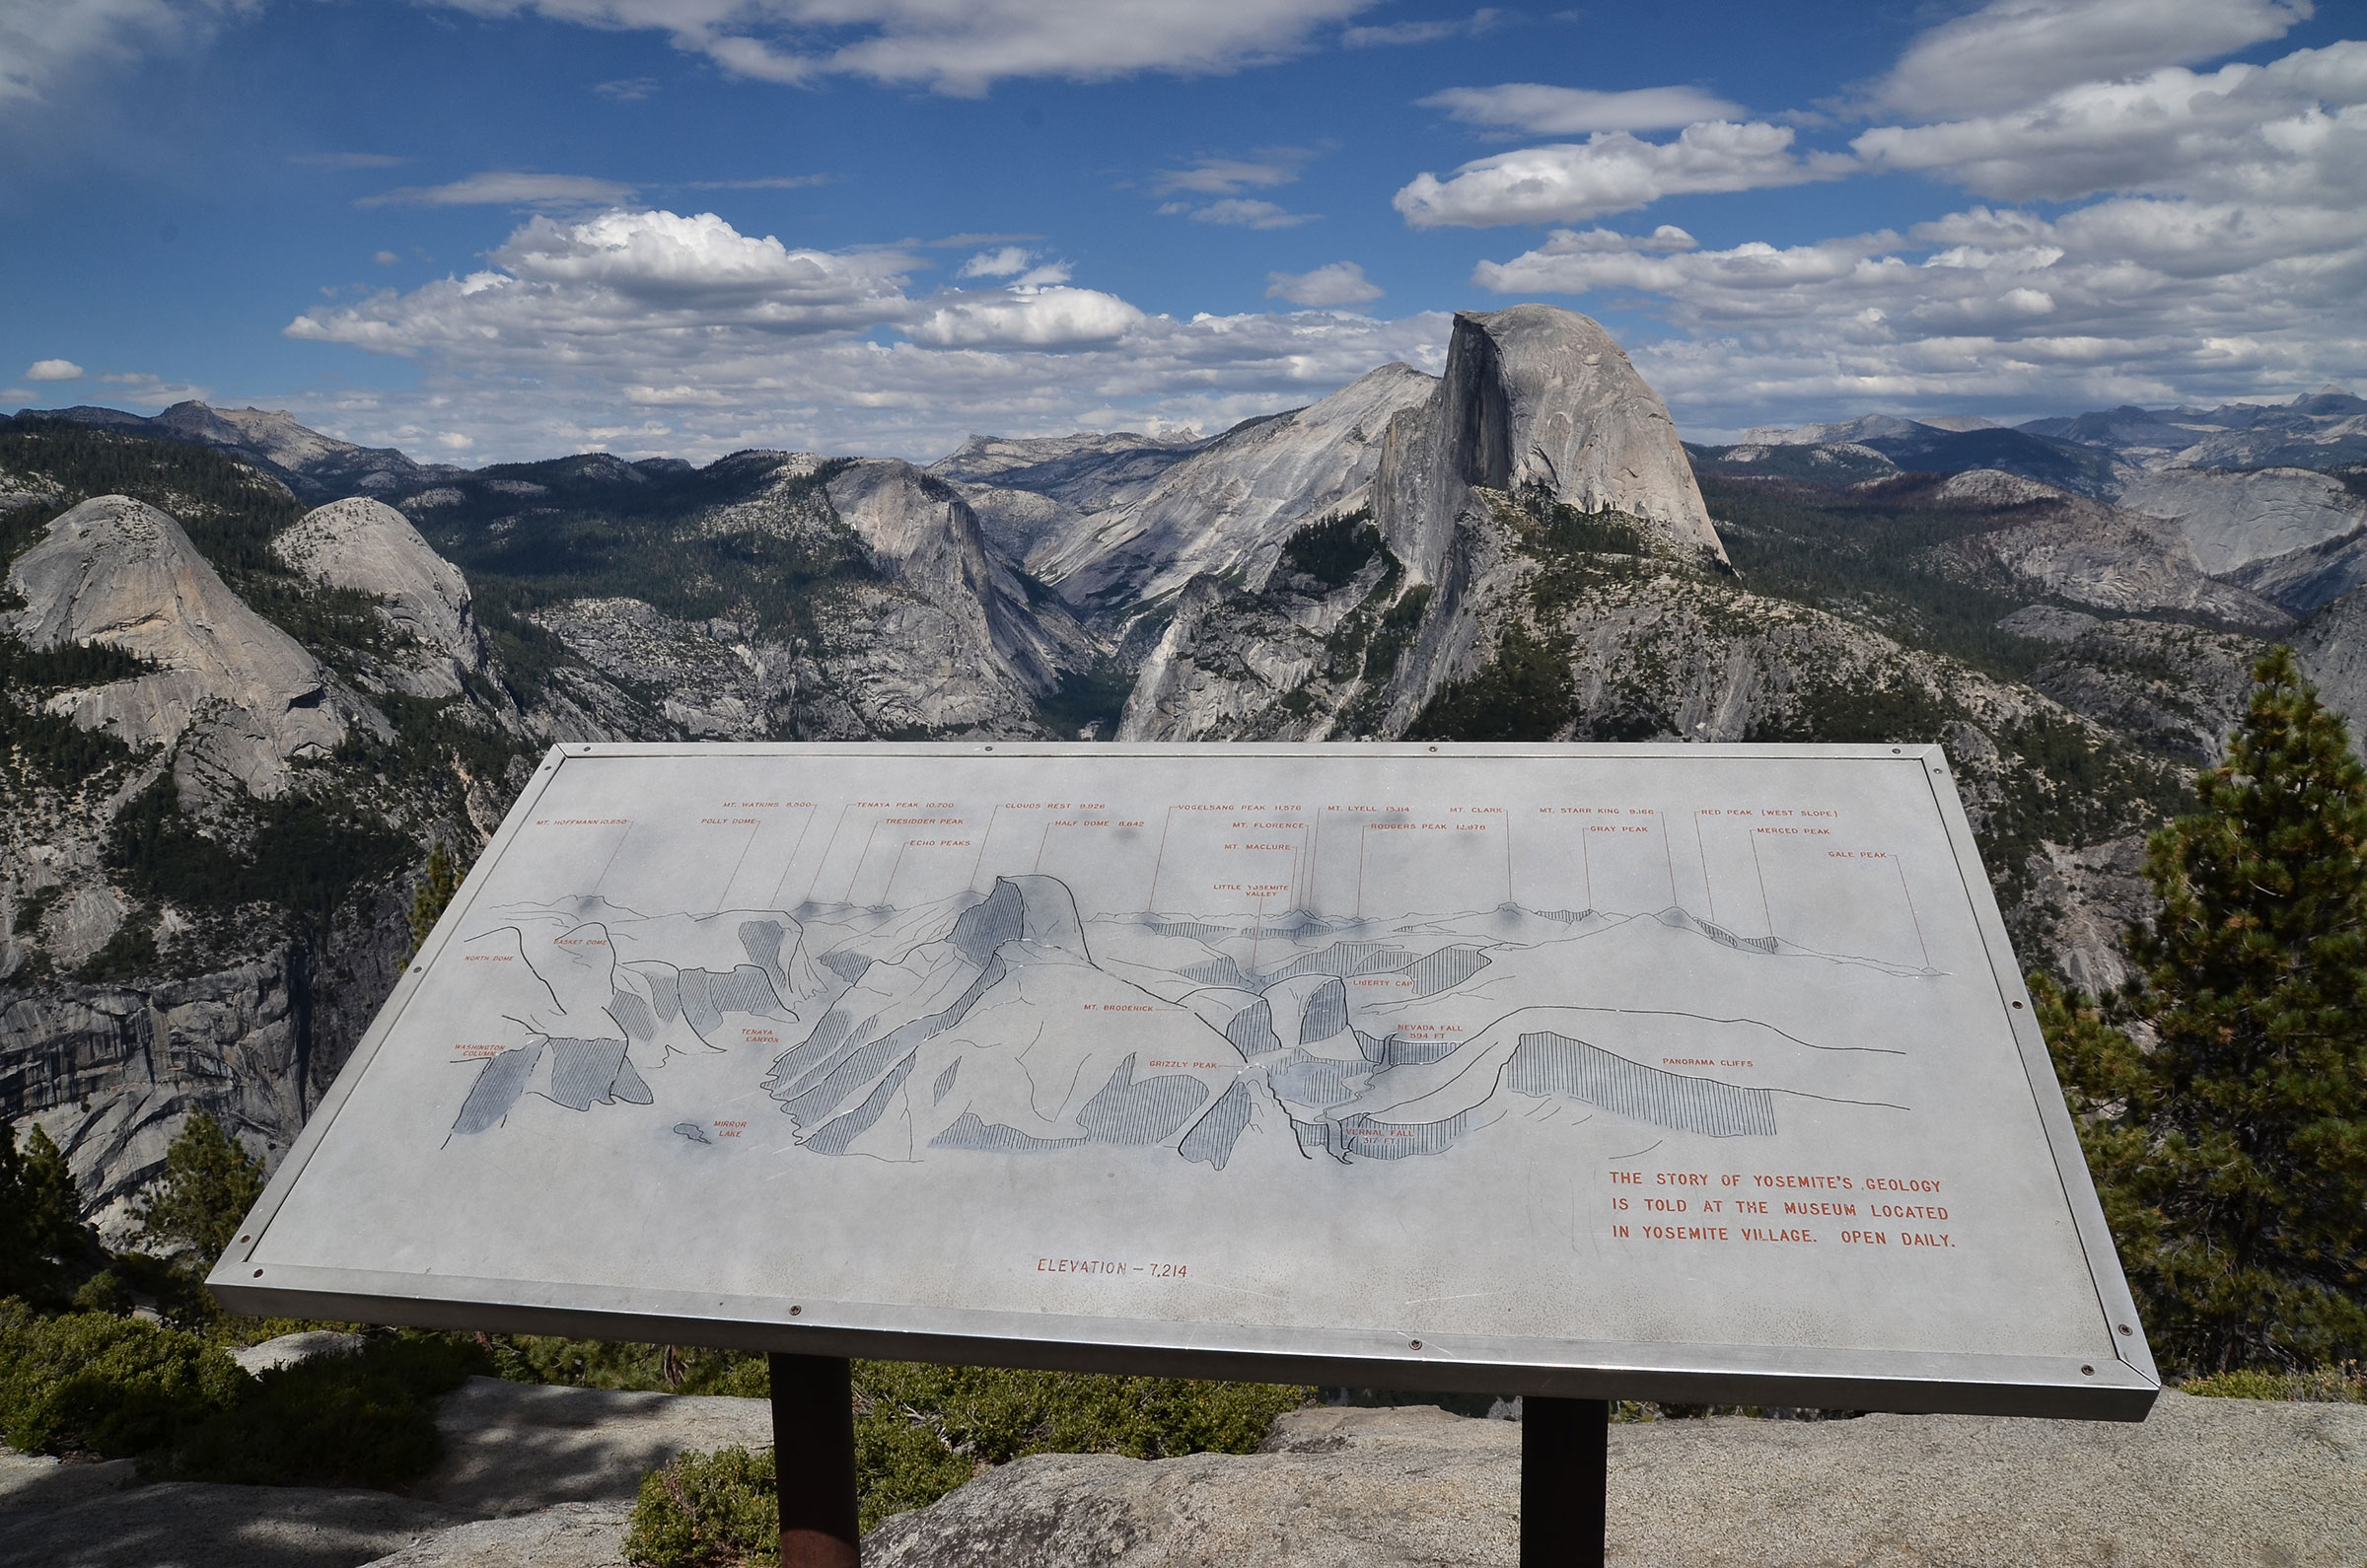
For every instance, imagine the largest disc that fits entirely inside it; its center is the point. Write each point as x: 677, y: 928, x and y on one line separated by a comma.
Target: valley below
x: 253, y: 675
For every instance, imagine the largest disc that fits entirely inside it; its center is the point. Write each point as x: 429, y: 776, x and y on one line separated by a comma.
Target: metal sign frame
x: 2120, y: 1385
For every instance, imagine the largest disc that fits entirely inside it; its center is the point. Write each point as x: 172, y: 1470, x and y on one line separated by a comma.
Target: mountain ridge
x: 1521, y: 548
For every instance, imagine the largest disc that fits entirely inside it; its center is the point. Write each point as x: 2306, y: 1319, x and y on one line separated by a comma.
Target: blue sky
x: 497, y: 229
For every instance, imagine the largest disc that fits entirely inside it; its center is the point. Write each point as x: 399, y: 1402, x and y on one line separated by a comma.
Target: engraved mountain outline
x: 935, y: 1029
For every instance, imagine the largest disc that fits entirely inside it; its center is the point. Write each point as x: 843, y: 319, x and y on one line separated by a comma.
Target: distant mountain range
x: 253, y: 671
x: 314, y: 466
x: 2095, y: 453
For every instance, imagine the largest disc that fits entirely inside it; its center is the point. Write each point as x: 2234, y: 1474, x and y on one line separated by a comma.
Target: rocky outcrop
x: 2203, y: 1482
x: 1225, y: 510
x: 2331, y: 649
x: 201, y: 1524
x: 1537, y: 397
x: 1033, y: 495
x: 237, y: 693
x: 2053, y: 544
x: 2234, y: 520
x: 2174, y: 689
x: 921, y: 535
x: 111, y: 1072
x: 369, y: 547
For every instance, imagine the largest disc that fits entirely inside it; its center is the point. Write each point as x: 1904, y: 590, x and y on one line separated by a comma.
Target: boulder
x: 294, y: 1350
x: 2203, y: 1482
x: 562, y: 1535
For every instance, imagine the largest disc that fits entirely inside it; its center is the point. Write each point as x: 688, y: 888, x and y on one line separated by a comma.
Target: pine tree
x: 2232, y: 1154
x: 436, y: 888
x: 41, y: 1210
x: 209, y: 1184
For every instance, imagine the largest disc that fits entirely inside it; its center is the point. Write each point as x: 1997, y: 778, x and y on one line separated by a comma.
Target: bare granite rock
x: 190, y: 1524
x: 2092, y: 554
x: 2203, y: 1482
x: 2331, y: 649
x: 510, y: 1448
x: 1225, y: 510
x: 2236, y: 519
x: 1535, y: 394
x: 368, y: 547
x: 240, y: 694
x: 35, y: 1480
x: 1034, y: 494
x: 562, y: 1535
x: 294, y: 1350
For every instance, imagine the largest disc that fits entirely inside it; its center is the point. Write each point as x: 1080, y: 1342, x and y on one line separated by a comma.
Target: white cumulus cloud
x: 2128, y: 300
x: 1575, y: 111
x: 664, y: 333
x: 1002, y: 263
x: 626, y: 274
x: 1612, y: 172
x: 2293, y: 129
x: 53, y: 370
x: 2010, y: 52
x: 1035, y: 317
x: 1338, y: 283
x: 958, y: 47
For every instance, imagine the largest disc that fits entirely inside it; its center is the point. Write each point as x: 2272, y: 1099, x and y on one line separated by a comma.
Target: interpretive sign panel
x: 1656, y: 1072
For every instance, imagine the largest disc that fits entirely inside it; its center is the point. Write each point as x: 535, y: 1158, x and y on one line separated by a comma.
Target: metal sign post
x: 1682, y: 1073
x: 1565, y: 1456
x: 813, y: 1460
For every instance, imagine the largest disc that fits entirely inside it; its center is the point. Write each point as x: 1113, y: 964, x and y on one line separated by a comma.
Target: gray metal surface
x: 1679, y: 1073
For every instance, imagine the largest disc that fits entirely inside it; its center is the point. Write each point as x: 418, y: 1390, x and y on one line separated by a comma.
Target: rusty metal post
x: 1565, y: 1469
x: 813, y: 1460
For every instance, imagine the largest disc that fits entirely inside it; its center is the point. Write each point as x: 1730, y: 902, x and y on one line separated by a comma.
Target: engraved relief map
x: 1694, y: 1044
x: 1269, y: 985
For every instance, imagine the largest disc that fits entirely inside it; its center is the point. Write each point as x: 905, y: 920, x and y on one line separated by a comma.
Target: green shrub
x: 920, y: 1431
x: 718, y: 1510
x: 104, y: 1292
x: 2340, y: 1385
x: 367, y: 1419
x: 600, y: 1363
x: 98, y: 1384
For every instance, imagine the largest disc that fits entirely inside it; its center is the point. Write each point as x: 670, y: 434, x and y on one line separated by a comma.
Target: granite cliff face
x: 923, y: 536
x: 1536, y: 398
x: 235, y: 696
x: 1033, y: 495
x: 1225, y: 511
x: 234, y: 725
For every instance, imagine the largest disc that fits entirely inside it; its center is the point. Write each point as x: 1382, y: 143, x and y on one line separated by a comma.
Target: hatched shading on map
x: 1588, y: 1044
